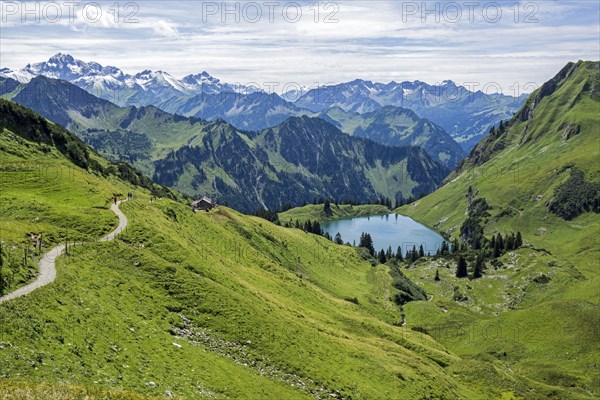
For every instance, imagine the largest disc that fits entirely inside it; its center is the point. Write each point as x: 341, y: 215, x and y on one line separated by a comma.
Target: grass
x: 548, y: 331
x: 222, y: 305
x: 206, y: 305
x: 315, y: 212
x: 23, y: 390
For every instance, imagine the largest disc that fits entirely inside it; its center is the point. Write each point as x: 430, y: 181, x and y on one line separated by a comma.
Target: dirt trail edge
x: 47, y: 265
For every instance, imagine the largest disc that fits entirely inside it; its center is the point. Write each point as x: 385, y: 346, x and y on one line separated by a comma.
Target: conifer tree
x: 498, y: 246
x: 421, y: 251
x: 366, y: 241
x: 478, y: 267
x: 437, y: 275
x: 510, y: 242
x: 399, y: 253
x: 461, y: 268
x: 327, y: 208
x: 382, y: 258
x: 388, y: 253
x: 445, y: 248
x: 414, y: 255
x: 518, y: 240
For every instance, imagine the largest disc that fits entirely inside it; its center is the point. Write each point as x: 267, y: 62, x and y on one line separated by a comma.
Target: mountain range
x: 466, y: 115
x: 301, y: 159
x: 241, y: 308
x: 395, y: 126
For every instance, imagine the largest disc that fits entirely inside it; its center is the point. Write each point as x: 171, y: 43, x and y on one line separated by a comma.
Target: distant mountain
x: 466, y: 115
x: 110, y: 83
x: 295, y: 162
x: 199, y: 95
x: 254, y: 111
x: 395, y: 126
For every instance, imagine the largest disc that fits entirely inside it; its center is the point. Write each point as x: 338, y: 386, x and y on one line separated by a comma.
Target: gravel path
x: 47, y: 273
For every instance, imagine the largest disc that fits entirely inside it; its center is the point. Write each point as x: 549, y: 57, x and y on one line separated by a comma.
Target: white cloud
x: 370, y: 41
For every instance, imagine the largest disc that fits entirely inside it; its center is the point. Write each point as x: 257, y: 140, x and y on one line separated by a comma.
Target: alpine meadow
x: 342, y: 200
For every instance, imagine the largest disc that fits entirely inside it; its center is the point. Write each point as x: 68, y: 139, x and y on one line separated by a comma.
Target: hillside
x: 206, y: 305
x: 539, y: 174
x: 316, y: 212
x: 130, y: 134
x: 294, y: 162
x: 395, y: 126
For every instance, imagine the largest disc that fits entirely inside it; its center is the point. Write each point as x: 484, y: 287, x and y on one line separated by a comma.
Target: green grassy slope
x: 314, y: 212
x: 541, y: 329
x: 207, y: 305
x: 300, y: 159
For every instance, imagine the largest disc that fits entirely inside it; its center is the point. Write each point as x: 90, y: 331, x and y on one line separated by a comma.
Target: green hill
x: 536, y: 313
x: 222, y: 305
x: 206, y: 305
x: 316, y: 212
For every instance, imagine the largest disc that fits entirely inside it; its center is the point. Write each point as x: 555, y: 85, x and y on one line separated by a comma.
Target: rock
x: 131, y: 330
x: 169, y: 394
x: 151, y: 384
x: 177, y: 345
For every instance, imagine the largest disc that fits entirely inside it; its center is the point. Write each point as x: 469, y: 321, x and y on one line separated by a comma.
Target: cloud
x: 373, y: 40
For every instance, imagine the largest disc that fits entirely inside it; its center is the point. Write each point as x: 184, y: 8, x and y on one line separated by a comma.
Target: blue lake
x: 387, y: 230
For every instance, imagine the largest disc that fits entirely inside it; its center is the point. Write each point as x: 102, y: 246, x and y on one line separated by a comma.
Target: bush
x: 575, y: 196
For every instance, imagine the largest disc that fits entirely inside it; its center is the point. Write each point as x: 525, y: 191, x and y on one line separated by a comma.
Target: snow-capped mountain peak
x: 94, y: 76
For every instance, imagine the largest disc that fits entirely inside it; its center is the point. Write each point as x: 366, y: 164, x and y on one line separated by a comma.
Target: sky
x: 506, y: 44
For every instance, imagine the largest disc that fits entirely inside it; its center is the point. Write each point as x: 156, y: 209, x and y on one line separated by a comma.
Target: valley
x: 362, y: 240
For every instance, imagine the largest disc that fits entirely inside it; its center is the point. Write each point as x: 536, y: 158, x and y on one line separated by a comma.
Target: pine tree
x: 327, y: 208
x: 518, y: 240
x: 478, y: 268
x: 366, y: 241
x: 500, y: 241
x: 437, y: 276
x: 461, y: 268
x: 414, y: 255
x: 338, y: 238
x: 498, y: 246
x: 510, y: 242
x: 382, y: 258
x: 389, y: 253
x: 445, y: 249
x: 399, y: 254
x: 421, y: 251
